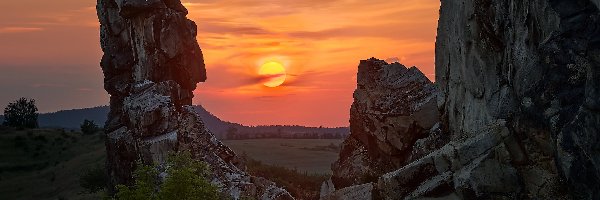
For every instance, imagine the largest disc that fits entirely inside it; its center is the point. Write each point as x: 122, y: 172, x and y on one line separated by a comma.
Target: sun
x: 272, y: 74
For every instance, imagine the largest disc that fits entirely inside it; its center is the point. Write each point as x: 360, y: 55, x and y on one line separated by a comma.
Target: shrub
x: 93, y: 179
x: 89, y: 127
x: 186, y: 180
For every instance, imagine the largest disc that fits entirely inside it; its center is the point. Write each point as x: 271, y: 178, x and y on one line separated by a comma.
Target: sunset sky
x: 49, y: 50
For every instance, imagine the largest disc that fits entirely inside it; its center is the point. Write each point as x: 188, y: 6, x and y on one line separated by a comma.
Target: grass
x: 313, y: 156
x: 47, y: 163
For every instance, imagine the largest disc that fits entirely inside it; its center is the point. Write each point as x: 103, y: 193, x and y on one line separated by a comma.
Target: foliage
x: 89, y: 127
x: 231, y: 132
x: 186, y: 180
x: 94, y: 179
x: 21, y: 114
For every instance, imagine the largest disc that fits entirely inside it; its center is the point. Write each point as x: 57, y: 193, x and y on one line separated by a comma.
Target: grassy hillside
x: 47, y: 163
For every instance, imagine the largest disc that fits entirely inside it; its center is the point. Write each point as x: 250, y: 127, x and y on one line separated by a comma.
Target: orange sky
x: 49, y: 51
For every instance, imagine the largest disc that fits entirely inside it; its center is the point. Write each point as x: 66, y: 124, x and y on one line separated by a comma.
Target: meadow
x: 313, y: 156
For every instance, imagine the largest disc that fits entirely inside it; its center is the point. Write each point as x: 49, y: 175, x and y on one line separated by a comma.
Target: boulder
x: 356, y: 192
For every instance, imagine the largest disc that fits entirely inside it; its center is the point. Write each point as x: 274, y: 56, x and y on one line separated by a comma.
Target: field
x: 47, y: 163
x: 305, y: 155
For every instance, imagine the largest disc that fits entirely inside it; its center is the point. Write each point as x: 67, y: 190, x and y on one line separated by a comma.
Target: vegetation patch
x: 186, y: 179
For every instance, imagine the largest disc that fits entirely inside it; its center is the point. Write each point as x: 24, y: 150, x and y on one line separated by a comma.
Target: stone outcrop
x: 355, y: 192
x: 534, y: 66
x: 392, y: 120
x: 519, y: 100
x: 152, y: 63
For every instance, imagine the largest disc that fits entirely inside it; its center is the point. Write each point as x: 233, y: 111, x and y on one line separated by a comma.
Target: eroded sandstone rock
x: 151, y: 65
x: 535, y: 65
x: 394, y: 107
x: 519, y: 100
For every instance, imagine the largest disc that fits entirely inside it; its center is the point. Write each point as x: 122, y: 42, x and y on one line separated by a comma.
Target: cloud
x: 231, y: 28
x: 393, y: 60
x: 20, y: 29
x: 394, y: 31
x: 47, y: 85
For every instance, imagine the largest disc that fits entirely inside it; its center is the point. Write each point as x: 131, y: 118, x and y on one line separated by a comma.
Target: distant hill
x: 72, y: 119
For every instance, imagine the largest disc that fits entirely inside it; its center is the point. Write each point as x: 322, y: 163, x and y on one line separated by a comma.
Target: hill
x: 72, y: 119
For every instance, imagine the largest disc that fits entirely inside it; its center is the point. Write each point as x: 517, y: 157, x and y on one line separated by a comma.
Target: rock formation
x: 521, y: 79
x: 151, y: 65
x: 394, y: 118
x: 519, y: 99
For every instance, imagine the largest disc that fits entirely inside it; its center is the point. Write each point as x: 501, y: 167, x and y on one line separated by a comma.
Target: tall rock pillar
x: 152, y: 63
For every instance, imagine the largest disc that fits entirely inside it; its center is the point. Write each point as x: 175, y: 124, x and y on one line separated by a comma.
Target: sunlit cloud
x: 20, y: 29
x: 320, y: 43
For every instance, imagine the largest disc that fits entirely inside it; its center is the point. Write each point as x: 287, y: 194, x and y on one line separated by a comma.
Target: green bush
x: 187, y: 179
x: 89, y: 127
x: 93, y: 179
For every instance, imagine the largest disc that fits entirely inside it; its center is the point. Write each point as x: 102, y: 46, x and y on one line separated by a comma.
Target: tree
x: 89, y: 127
x: 21, y: 114
x: 231, y: 132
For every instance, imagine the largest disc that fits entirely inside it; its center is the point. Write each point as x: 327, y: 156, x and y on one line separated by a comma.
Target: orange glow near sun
x: 272, y: 74
x: 317, y: 44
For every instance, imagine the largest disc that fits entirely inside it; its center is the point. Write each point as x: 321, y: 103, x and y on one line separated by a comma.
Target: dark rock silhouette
x: 519, y: 100
x: 529, y: 70
x: 394, y: 120
x: 151, y: 65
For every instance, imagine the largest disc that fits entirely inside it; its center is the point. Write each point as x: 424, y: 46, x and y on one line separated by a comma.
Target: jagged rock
x: 151, y: 65
x: 534, y: 64
x: 356, y: 192
x: 478, y: 167
x: 393, y: 108
x: 520, y: 88
x: 327, y: 188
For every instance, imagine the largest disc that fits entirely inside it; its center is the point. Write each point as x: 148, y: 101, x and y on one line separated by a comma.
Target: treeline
x: 283, y: 132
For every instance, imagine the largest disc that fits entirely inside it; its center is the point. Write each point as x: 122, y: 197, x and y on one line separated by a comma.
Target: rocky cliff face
x: 519, y: 99
x: 532, y: 69
x: 151, y: 65
x: 394, y: 118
